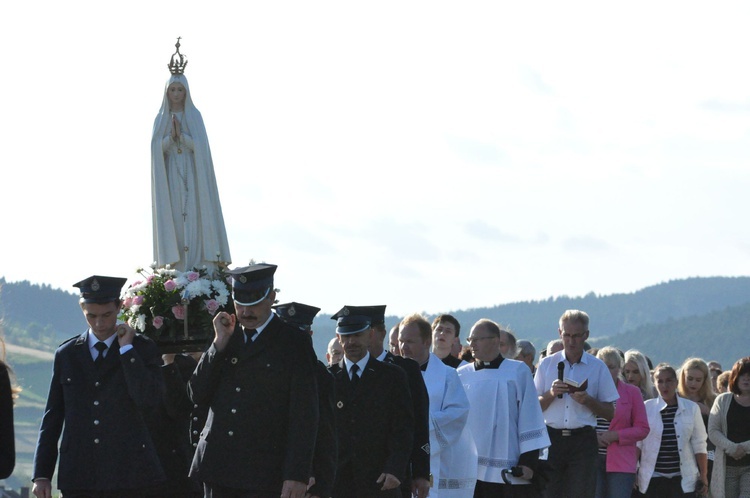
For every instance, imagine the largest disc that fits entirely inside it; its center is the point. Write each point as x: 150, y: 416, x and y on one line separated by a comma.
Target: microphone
x: 560, y: 370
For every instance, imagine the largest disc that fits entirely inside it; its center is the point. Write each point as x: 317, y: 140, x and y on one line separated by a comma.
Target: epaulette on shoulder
x: 69, y: 340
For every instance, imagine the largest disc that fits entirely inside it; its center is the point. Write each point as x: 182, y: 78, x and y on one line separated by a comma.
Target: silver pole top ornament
x: 178, y: 62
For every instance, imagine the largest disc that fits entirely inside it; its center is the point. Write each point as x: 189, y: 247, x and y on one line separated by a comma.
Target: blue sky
x: 428, y: 155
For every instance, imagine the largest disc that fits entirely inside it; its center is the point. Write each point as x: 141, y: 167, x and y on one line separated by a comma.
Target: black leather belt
x: 570, y: 432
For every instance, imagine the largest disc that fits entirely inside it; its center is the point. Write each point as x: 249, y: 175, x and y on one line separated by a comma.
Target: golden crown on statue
x: 178, y: 61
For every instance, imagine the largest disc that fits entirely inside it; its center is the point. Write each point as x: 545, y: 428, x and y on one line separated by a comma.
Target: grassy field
x: 33, y: 373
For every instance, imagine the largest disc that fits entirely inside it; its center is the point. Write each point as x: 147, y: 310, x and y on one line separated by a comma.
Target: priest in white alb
x: 505, y: 417
x: 453, y: 456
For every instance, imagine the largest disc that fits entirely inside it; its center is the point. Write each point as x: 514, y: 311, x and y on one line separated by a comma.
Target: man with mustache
x: 418, y: 471
x: 258, y: 378
x: 374, y: 417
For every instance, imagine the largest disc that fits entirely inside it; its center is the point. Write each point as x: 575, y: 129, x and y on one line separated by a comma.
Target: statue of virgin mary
x: 188, y: 226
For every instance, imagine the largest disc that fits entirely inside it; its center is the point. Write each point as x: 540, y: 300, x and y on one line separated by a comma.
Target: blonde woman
x: 695, y: 384
x: 673, y: 455
x: 636, y: 373
x: 618, y: 456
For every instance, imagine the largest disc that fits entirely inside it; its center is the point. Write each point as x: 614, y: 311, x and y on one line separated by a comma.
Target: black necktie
x: 355, y: 377
x: 100, y: 346
x: 249, y: 336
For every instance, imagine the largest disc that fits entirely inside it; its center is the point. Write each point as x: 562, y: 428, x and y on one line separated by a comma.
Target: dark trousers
x: 346, y: 487
x: 501, y: 490
x: 666, y: 487
x: 217, y: 491
x: 573, y: 462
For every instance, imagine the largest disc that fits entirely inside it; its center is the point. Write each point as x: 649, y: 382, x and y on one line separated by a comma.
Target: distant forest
x: 670, y: 321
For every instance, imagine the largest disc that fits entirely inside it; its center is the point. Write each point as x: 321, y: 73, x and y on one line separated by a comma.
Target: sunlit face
x: 573, y: 335
x: 614, y: 371
x: 356, y: 345
x: 393, y: 342
x: 666, y: 384
x: 694, y: 380
x: 102, y: 318
x: 335, y: 352
x: 412, y: 345
x: 252, y: 317
x: 743, y: 383
x: 632, y: 374
x: 176, y: 94
x: 504, y: 344
x: 443, y: 337
x: 484, y: 345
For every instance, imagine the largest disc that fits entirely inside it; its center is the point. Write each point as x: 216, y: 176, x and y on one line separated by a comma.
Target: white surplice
x: 453, y: 455
x: 505, y: 417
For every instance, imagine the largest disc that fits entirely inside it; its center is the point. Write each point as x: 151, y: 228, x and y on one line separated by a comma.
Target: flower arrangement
x: 171, y: 306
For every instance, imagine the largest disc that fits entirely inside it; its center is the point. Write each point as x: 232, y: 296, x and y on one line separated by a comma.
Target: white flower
x: 197, y: 288
x: 135, y: 308
x: 140, y: 323
x: 181, y: 281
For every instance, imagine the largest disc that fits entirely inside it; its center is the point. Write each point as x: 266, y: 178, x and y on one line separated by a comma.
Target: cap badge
x: 346, y: 311
x: 340, y: 405
x: 291, y: 311
x: 243, y: 279
x: 95, y: 285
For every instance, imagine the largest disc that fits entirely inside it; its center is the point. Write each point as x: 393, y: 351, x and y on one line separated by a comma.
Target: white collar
x: 93, y: 340
x: 361, y: 363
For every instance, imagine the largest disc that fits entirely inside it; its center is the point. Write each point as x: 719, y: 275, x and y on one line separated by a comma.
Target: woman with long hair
x: 635, y: 371
x: 673, y: 460
x: 618, y: 455
x: 695, y: 384
x: 729, y: 430
x: 8, y: 392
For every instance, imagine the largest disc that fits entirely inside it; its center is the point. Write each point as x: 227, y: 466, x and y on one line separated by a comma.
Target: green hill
x: 722, y: 335
x: 705, y: 317
x: 611, y: 315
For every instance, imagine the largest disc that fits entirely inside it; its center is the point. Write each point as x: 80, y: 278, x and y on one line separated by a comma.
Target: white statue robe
x: 505, y: 417
x: 185, y: 203
x: 453, y: 455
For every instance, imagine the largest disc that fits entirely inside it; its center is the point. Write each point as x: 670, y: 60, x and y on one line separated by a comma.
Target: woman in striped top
x: 673, y: 455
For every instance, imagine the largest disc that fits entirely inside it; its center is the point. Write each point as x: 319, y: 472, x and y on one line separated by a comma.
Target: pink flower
x: 192, y: 276
x: 128, y: 302
x: 150, y: 279
x: 138, y: 300
x: 158, y: 322
x: 170, y: 285
x: 178, y: 311
x: 212, y: 305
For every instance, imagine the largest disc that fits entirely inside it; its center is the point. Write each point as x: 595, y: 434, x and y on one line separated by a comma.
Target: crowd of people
x: 257, y: 415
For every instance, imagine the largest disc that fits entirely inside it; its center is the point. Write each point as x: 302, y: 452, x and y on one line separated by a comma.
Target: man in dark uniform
x: 258, y: 378
x: 374, y: 418
x: 169, y: 424
x: 324, y: 461
x: 103, y: 382
x: 418, y: 472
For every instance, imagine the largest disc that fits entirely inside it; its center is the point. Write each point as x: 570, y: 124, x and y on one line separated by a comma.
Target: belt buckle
x: 567, y: 432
